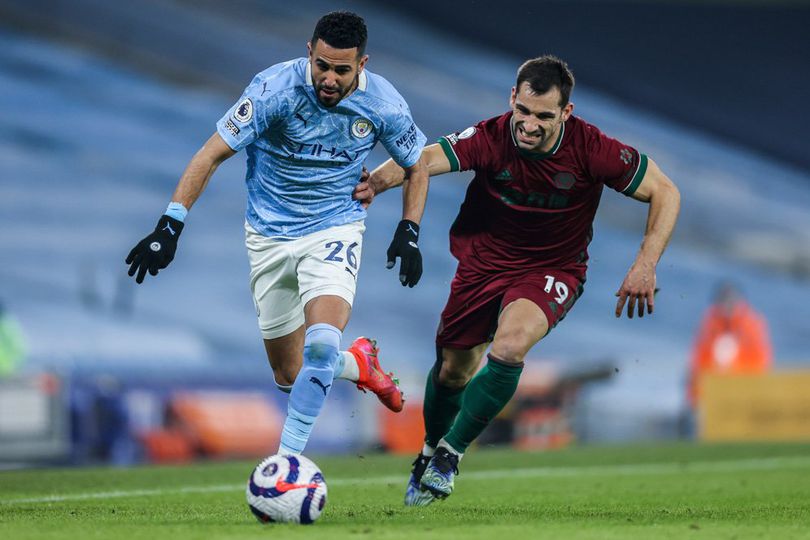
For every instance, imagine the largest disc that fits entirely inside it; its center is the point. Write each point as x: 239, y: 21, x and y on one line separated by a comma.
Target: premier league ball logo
x: 244, y: 111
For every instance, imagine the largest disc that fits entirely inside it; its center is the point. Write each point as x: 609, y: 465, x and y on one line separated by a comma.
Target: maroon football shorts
x: 470, y: 317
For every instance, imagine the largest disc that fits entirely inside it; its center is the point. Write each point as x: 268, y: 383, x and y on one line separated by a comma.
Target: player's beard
x: 334, y: 98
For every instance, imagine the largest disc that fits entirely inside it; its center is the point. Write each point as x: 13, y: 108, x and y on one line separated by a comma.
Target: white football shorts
x: 285, y: 274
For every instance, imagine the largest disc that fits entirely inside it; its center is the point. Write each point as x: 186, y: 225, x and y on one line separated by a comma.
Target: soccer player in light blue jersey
x: 307, y: 125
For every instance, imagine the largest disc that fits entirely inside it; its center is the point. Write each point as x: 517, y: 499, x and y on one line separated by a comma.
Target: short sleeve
x: 402, y: 138
x: 249, y: 117
x: 468, y: 149
x: 614, y: 163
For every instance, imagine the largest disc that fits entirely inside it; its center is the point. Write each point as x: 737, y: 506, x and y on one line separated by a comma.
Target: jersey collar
x: 362, y: 81
x: 536, y: 155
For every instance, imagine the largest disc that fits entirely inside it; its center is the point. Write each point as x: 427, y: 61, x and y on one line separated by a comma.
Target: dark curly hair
x: 342, y: 30
x: 546, y: 72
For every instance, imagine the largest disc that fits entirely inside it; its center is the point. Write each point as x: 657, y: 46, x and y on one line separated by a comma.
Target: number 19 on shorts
x: 560, y: 289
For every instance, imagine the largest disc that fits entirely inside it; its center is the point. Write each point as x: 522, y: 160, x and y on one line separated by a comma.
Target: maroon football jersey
x: 525, y: 210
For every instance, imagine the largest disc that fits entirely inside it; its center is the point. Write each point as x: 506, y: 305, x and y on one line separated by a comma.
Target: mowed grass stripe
x: 719, y: 466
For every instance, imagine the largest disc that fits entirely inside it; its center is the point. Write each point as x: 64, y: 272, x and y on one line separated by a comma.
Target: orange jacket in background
x: 735, y: 341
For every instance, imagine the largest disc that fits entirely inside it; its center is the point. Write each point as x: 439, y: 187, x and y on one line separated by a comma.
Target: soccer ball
x: 287, y: 489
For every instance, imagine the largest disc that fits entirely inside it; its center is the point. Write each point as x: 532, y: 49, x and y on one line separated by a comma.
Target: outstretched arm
x: 390, y: 175
x: 665, y: 202
x: 156, y: 250
x: 200, y: 169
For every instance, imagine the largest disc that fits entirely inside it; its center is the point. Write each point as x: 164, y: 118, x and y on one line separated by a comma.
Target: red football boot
x: 372, y: 377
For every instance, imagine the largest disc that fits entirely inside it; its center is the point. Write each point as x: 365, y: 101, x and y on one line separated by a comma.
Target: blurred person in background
x: 307, y: 125
x: 12, y: 343
x: 521, y: 239
x: 733, y: 338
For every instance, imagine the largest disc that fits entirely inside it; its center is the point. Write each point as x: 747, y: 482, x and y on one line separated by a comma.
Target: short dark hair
x: 342, y: 30
x: 544, y: 73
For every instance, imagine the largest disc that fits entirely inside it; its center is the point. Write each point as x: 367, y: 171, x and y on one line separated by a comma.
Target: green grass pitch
x: 673, y: 491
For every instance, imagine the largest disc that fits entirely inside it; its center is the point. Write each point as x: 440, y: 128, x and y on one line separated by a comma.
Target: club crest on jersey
x: 361, y: 128
x: 244, y: 111
x: 564, y: 180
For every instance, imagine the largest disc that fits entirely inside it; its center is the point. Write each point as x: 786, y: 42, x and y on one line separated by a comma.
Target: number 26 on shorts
x: 336, y: 247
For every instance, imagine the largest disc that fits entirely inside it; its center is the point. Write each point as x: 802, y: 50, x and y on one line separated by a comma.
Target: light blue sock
x: 311, y: 386
x: 340, y: 364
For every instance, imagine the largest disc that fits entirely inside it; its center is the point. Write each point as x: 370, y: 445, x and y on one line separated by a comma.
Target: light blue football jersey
x: 303, y: 159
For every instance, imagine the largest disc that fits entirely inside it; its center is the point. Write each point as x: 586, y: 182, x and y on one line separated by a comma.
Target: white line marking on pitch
x: 528, y: 472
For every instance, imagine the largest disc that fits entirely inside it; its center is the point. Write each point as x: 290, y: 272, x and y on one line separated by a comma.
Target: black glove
x: 404, y: 246
x: 156, y: 251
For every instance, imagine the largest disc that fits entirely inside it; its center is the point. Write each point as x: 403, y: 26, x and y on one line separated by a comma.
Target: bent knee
x: 456, y: 375
x: 284, y: 377
x: 453, y: 378
x: 320, y: 354
x: 513, y: 347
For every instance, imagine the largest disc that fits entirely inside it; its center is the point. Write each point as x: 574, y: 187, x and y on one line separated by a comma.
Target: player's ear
x: 513, y: 97
x: 362, y: 63
x: 309, y: 49
x: 567, y: 110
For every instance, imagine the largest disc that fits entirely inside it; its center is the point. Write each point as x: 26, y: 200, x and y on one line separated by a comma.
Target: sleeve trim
x: 227, y: 135
x: 638, y: 177
x: 450, y: 153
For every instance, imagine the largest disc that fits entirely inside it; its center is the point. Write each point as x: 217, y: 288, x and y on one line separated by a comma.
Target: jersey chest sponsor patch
x: 512, y: 192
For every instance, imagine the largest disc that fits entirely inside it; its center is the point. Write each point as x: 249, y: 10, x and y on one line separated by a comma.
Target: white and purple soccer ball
x: 286, y: 489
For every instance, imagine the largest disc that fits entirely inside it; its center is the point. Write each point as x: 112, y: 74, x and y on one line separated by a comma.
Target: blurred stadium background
x: 103, y: 103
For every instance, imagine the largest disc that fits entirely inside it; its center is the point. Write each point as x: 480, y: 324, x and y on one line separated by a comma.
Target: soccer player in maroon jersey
x: 521, y: 239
